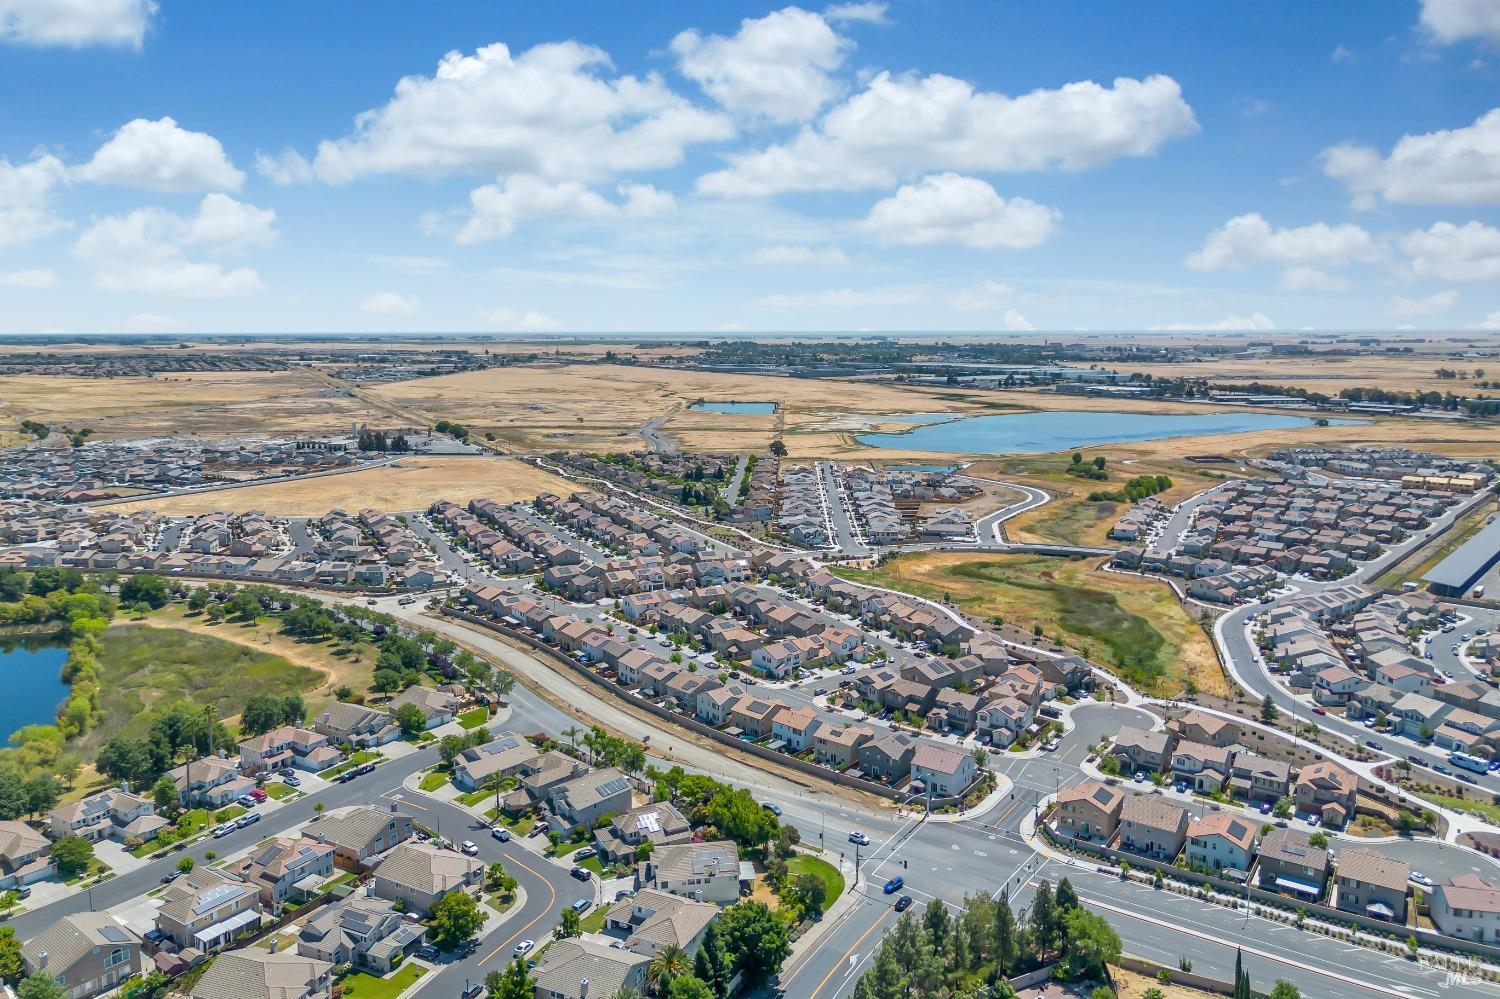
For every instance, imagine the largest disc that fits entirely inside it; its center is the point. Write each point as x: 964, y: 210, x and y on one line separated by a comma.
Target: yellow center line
x: 843, y: 960
x: 542, y: 915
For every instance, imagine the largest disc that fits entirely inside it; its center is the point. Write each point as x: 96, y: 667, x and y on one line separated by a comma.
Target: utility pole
x: 856, y: 864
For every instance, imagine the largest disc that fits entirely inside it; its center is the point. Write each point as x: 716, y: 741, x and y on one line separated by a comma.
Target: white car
x: 1418, y: 878
x: 523, y: 948
x: 224, y: 830
x: 471, y: 848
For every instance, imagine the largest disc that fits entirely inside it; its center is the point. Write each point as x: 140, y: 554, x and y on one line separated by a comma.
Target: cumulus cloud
x: 1455, y: 20
x: 75, y: 23
x: 903, y: 126
x: 551, y: 112
x: 1311, y: 279
x: 1457, y: 166
x: 1448, y: 252
x: 389, y: 303
x: 513, y: 320
x: 26, y: 193
x: 161, y: 156
x: 145, y: 251
x: 963, y: 211
x: 1490, y: 322
x: 1434, y: 304
x: 1254, y: 321
x: 1014, y: 322
x: 797, y: 256
x: 1249, y: 240
x: 868, y: 13
x: 777, y: 68
x: 33, y: 278
x: 987, y: 296
x: 498, y: 208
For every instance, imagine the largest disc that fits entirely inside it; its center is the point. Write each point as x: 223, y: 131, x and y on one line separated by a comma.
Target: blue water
x: 921, y: 468
x: 735, y: 407
x: 916, y: 418
x: 1040, y: 433
x: 31, y: 671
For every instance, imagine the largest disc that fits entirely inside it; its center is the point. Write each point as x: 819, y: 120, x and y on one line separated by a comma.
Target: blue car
x: 894, y: 885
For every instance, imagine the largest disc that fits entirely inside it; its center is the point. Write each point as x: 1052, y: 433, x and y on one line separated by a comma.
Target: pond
x: 1041, y: 433
x: 31, y: 667
x: 734, y: 407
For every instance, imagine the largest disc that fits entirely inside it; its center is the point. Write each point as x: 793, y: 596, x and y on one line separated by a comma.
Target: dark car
x: 427, y: 952
x: 581, y: 873
x: 894, y: 885
x: 903, y: 903
x: 170, y: 876
x: 771, y: 807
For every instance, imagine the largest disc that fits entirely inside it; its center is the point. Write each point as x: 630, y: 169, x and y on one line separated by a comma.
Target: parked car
x: 523, y: 948
x: 1140, y: 776
x: 582, y: 905
x: 258, y: 794
x: 170, y: 876
x: 248, y: 819
x: 1265, y: 808
x: 501, y: 833
x: 581, y: 873
x: 1418, y: 878
x: 1372, y: 744
x: 427, y: 952
x: 471, y: 848
x: 224, y: 830
x: 1320, y: 711
x: 894, y: 885
x: 291, y: 780
x: 246, y: 801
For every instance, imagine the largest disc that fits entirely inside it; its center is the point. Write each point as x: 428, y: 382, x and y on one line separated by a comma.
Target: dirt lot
x: 211, y: 403
x: 411, y: 484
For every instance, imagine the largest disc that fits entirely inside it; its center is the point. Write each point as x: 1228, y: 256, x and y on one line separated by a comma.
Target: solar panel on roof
x: 650, y: 822
x: 613, y: 786
x: 215, y: 897
x: 114, y: 934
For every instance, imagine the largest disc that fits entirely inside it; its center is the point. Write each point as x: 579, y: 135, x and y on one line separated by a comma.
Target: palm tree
x: 668, y: 963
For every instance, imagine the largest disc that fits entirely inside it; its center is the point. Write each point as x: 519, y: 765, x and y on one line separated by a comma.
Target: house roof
x: 1105, y: 797
x: 938, y: 759
x: 660, y: 918
x: 569, y: 963
x: 1153, y: 811
x: 355, y: 828
x: 1472, y: 892
x: 424, y: 868
x: 1373, y: 868
x: 1233, y: 827
x: 253, y: 973
x: 72, y: 936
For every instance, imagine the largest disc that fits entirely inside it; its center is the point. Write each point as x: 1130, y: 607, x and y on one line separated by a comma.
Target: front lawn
x: 832, y: 880
x: 366, y: 986
x: 360, y: 757
x: 517, y: 827
x: 96, y: 867
x: 188, y: 825
x: 278, y: 790
x: 594, y: 921
x: 433, y: 781
x: 474, y: 717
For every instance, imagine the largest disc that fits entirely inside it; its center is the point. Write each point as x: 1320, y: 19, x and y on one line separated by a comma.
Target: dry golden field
x: 1330, y: 375
x: 210, y: 403
x: 411, y: 484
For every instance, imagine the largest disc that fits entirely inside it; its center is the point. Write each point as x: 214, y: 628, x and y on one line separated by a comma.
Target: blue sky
x: 592, y: 166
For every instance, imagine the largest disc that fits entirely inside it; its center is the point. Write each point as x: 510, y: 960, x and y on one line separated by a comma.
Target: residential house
x: 1140, y: 749
x: 23, y: 855
x: 288, y: 746
x: 1372, y: 884
x: 652, y: 920
x: 287, y: 869
x: 1153, y: 826
x: 108, y: 814
x: 1467, y: 906
x: 1326, y: 789
x: 1221, y: 841
x: 1202, y: 767
x: 356, y: 725
x: 887, y: 756
x: 207, y: 909
x: 659, y: 823
x: 418, y: 874
x: 942, y: 770
x: 1200, y: 726
x: 211, y: 782
x: 505, y: 756
x: 1089, y: 811
x: 361, y: 834
x: 582, y: 801
x: 253, y: 973
x: 87, y: 953
x: 360, y: 931
x: 705, y: 872
x: 794, y: 727
x: 1253, y: 777
x: 838, y: 745
x: 580, y: 968
x: 437, y: 707
x: 1290, y: 864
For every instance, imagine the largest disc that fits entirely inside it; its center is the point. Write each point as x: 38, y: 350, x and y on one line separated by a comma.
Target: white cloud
x: 1015, y: 322
x: 844, y: 298
x: 529, y: 321
x: 776, y: 67
x: 797, y: 256
x: 34, y: 278
x: 1341, y: 53
x: 989, y: 295
x: 1490, y: 322
x: 1254, y: 321
x: 1454, y: 20
x: 1448, y: 252
x: 498, y: 208
x: 26, y: 192
x: 964, y: 211
x: 1458, y: 166
x: 1249, y: 240
x: 161, y: 156
x: 389, y: 303
x: 549, y: 112
x: 867, y: 13
x: 75, y: 23
x: 285, y: 167
x: 1434, y: 304
x: 144, y: 250
x: 902, y: 126
x: 151, y: 322
x: 1305, y: 278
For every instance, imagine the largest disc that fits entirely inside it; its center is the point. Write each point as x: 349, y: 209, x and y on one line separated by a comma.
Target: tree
x: 1241, y: 977
x: 455, y: 918
x: 144, y: 588
x: 1285, y: 990
x: 758, y: 939
x: 689, y: 987
x: 711, y: 964
x: 1007, y: 948
x: 411, y: 719
x: 668, y: 962
x: 1089, y: 943
x: 41, y: 986
x: 811, y: 894
x: 1045, y: 925
x: 778, y: 448
x: 185, y: 864
x: 1066, y: 898
x: 497, y: 880
x: 514, y: 983
x: 11, y: 964
x: 1268, y: 710
x: 937, y: 925
x: 72, y: 854
x: 42, y: 792
x: 571, y: 924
